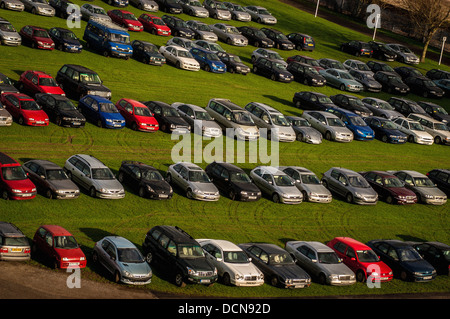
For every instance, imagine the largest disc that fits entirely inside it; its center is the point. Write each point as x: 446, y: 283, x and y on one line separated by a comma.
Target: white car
x: 438, y: 130
x: 180, y: 57
x: 414, y: 130
x: 232, y: 263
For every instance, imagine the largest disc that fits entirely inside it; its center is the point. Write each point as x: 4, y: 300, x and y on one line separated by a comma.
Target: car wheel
x: 274, y: 281
x: 207, y: 68
x: 92, y: 192
x: 425, y: 94
x: 360, y: 276
x: 259, y: 20
x: 324, y: 183
x: 120, y: 177
x: 55, y: 264
x: 226, y: 279
x: 189, y: 194
x: 5, y: 195
x: 33, y: 11
x: 21, y: 121
x: 229, y: 41
x: 404, y: 276
x: 149, y: 257
x: 2, y: 5
x: 384, y: 138
x: 255, y: 69
x: 134, y: 126
x: 299, y: 137
x: 141, y: 192
x: 100, y: 123
x: 273, y: 77
x: 298, y: 104
x: 305, y: 82
x: 168, y: 178
x: 94, y: 257
x: 276, y: 198
x: 256, y: 44
x: 232, y: 195
x: 437, y: 140
x: 305, y: 196
x: 106, y: 53
x: 117, y: 277
x: 389, y: 199
x: 178, y: 65
x: 154, y: 31
x: 49, y: 194
x: 58, y: 121
x: 322, y: 279
x: 349, y: 198
x: 299, y: 47
x: 179, y: 280
x: 411, y: 139
x: 342, y: 87
x: 328, y: 135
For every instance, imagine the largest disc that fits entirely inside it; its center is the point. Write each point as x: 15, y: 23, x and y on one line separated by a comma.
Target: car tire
x: 273, y: 77
x: 389, y: 199
x: 322, y: 279
x: 33, y: 11
x: 106, y: 53
x: 349, y: 198
x: 404, y: 276
x: 274, y: 281
x: 207, y: 68
x: 328, y: 135
x: 189, y: 193
x: 149, y: 257
x: 232, y: 195
x: 100, y: 123
x: 305, y: 196
x: 276, y: 198
x: 58, y: 121
x: 360, y: 276
x: 141, y: 192
x: 5, y: 195
x: 49, y: 194
x: 226, y: 279
x: 179, y: 280
x: 21, y: 121
x: 342, y: 87
x: 384, y: 138
x: 95, y: 257
x: 411, y: 139
x: 229, y: 42
x: 437, y: 140
x: 178, y: 65
x: 92, y: 192
x: 117, y: 277
x: 120, y: 177
x: 134, y: 126
x: 168, y: 178
x: 2, y: 5
x: 299, y: 137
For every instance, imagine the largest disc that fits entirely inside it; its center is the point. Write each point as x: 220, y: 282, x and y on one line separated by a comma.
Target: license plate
x: 384, y: 278
x: 369, y: 136
x: 76, y: 123
x: 117, y: 125
x: 427, y: 277
x: 16, y: 250
x: 26, y: 195
x: 252, y: 197
x: 205, y: 281
x: 310, y: 45
x: 69, y: 195
x: 40, y: 122
x: 74, y: 264
x: 163, y: 196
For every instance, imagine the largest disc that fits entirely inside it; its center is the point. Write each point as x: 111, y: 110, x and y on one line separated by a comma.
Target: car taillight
x: 3, y: 250
x: 26, y: 250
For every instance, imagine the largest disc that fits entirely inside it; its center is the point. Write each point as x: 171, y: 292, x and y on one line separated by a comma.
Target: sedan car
x: 281, y: 40
x: 367, y: 80
x: 137, y: 115
x: 408, y: 72
x: 382, y: 52
x: 414, y: 131
x: 154, y: 24
x: 146, y: 5
x: 350, y: 185
x: 101, y: 112
x: 126, y: 20
x: 193, y: 181
x: 308, y: 100
x: 260, y: 15
x: 238, y: 12
x: 37, y: 38
x: 341, y: 79
x: 123, y: 260
x: 351, y: 103
x: 233, y: 265
x: 268, y: 54
x: 435, y: 111
x: 170, y: 6
x: 147, y: 53
x: 438, y: 130
x: 233, y: 63
x: 178, y: 26
x: 14, y: 182
x: 65, y: 40
x: 180, y: 57
x: 391, y: 83
x: 328, y: 63
x: 168, y: 118
x: 440, y: 177
x: 381, y: 108
x: 404, y: 54
x: 357, y: 65
x: 306, y: 60
x: 277, y: 265
x: 40, y: 7
x: 321, y: 262
x: 276, y: 184
x: 9, y: 34
x: 377, y: 66
x: 436, y: 253
x: 229, y: 34
x: 209, y: 61
x: 425, y: 87
x: 256, y: 37
x: 217, y: 9
x: 437, y: 74
x: 14, y: 245
x: 24, y: 109
x: 32, y: 82
x: 14, y: 5
x: 199, y: 119
x: 385, y: 130
x: 5, y: 117
x: 202, y: 30
x: 329, y: 125
x: 304, y: 131
x: 272, y: 69
x: 89, y: 11
x: 306, y: 74
x: 194, y: 8
x: 208, y: 45
x: 60, y: 110
x: 181, y: 42
x: 406, y: 106
x: 357, y: 48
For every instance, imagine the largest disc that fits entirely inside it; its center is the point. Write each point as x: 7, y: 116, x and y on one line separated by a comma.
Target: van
x: 108, y: 38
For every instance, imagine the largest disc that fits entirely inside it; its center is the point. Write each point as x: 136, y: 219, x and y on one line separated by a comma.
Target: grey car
x: 123, y: 260
x: 261, y: 15
x: 199, y: 119
x: 321, y: 262
x: 194, y: 8
x: 404, y: 54
x: 88, y: 11
x: 350, y: 185
x: 193, y: 180
x: 14, y: 5
x: 304, y: 131
x: 14, y: 245
x: 309, y: 184
x: 414, y: 130
x: 269, y: 54
x: 40, y: 7
x: 381, y: 108
x: 5, y: 117
x: 202, y: 30
x: 94, y: 176
x: 238, y: 12
x: 145, y: 5
x: 181, y: 42
x: 357, y: 65
x: 367, y: 80
x: 51, y: 180
x: 437, y: 129
x: 229, y: 34
x: 217, y: 10
x: 276, y: 184
x: 329, y: 125
x: 208, y: 45
x: 427, y: 192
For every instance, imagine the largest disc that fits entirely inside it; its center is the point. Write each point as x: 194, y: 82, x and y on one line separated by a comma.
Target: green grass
x: 90, y: 219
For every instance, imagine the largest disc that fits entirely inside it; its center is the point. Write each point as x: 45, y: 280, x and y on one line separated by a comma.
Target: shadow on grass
x: 411, y: 238
x: 279, y: 100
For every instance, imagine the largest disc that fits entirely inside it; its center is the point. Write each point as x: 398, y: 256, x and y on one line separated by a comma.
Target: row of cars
x: 340, y: 262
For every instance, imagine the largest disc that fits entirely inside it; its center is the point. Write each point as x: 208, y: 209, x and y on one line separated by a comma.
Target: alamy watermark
x: 374, y: 19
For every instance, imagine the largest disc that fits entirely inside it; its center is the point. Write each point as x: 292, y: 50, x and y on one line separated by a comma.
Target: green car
x: 341, y: 79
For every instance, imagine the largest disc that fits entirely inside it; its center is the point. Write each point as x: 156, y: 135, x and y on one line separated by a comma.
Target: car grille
x: 251, y: 278
x: 410, y: 197
x: 344, y: 277
x: 205, y: 274
x: 123, y: 50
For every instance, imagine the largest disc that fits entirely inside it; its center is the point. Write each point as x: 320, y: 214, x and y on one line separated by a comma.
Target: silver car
x: 229, y: 34
x: 208, y: 45
x: 381, y: 108
x: 199, y: 119
x: 308, y: 183
x: 181, y: 42
x: 276, y: 184
x: 14, y: 245
x: 40, y: 7
x: 437, y: 129
x: 217, y: 10
x: 194, y: 8
x: 269, y: 54
x: 202, y: 30
x: 322, y: 262
x: 5, y: 117
x: 146, y: 5
x: 367, y: 80
x: 94, y: 176
x: 331, y: 127
x: 414, y: 130
x: 357, y: 65
x: 193, y: 180
x: 15, y: 5
x: 88, y: 11
x: 351, y: 185
x: 427, y: 192
x: 304, y: 131
x: 404, y: 54
x: 261, y: 15
x: 238, y: 12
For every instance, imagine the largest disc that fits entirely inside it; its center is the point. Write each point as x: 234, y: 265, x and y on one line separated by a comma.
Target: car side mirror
x: 314, y: 260
x: 226, y: 179
x: 42, y: 176
x: 219, y: 259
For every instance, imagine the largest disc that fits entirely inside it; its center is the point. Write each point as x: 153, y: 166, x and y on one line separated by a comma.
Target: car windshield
x: 312, y: 62
x: 357, y: 181
x: 151, y: 175
x: 56, y: 174
x: 280, y: 120
x: 129, y: 16
x: 283, y: 180
x: 91, y: 78
x: 328, y: 258
x: 99, y: 11
x: 279, y: 66
x: 190, y: 251
x: 279, y: 259
x: 184, y: 54
x: 281, y: 36
x: 275, y: 56
x: 423, y: 182
x: 392, y: 182
x: 119, y: 38
x: 181, y: 24
x: 108, y: 108
x: 216, y: 47
x: 416, y: 126
x: 198, y: 177
x: 151, y: 48
x: 242, y: 118
x: 260, y: 34
x: 301, y: 122
x: 204, y: 116
x: 235, y: 58
x: 438, y: 109
x: 69, y: 36
x: 142, y: 111
x: 102, y: 173
x: 239, y: 177
x: 440, y: 127
x: 385, y: 106
x: 203, y: 27
x: 345, y: 76
x: 362, y: 67
x: 394, y: 80
x: 404, y: 49
x: 263, y: 11
x: 15, y: 173
x: 158, y: 21
x: 232, y: 30
x: 47, y: 82
x: 355, y: 102
x: 29, y: 105
x: 7, y: 27
x: 367, y: 256
x: 15, y: 241
x: 41, y: 34
x: 168, y: 111
x: 336, y: 65
x: 324, y: 99
x: 388, y: 125
x: 311, y: 70
x: 212, y: 57
x: 332, y: 121
x: 65, y: 242
x: 310, y: 179
x: 408, y: 254
x: 357, y: 121
x: 195, y: 3
x: 129, y: 255
x: 235, y: 257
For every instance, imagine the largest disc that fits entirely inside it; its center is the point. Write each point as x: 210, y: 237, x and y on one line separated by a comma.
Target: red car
x: 137, y: 115
x: 361, y: 259
x: 36, y: 37
x: 39, y: 82
x: 58, y: 246
x: 154, y: 24
x: 14, y: 182
x: 126, y: 19
x: 24, y: 109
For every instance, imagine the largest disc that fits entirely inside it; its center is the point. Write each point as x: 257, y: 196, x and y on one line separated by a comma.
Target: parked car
x: 377, y: 66
x: 406, y: 106
x: 40, y: 7
x: 147, y: 53
x: 389, y: 187
x: 238, y: 12
x: 117, y: 3
x: 8, y: 34
x: 355, y: 123
x: 178, y: 26
x: 233, y: 265
x: 327, y: 63
x: 309, y: 184
x: 233, y: 63
x: 404, y: 54
x: 126, y: 20
x: 168, y: 118
x: 192, y: 180
x: 438, y: 130
x: 382, y: 52
x: 440, y: 177
x: 233, y: 181
x: 306, y: 60
x: 385, y: 130
x: 145, y: 179
x: 426, y: 191
x: 145, y: 5
x: 60, y: 110
x: 94, y: 176
x: 154, y: 24
x: 381, y: 108
x: 178, y: 255
x: 209, y: 61
x: 24, y: 109
x: 436, y: 253
x: 89, y: 11
x: 33, y: 82
x: 437, y: 74
x: 321, y: 262
x: 180, y: 57
x: 304, y: 131
x: 272, y: 69
x: 361, y: 259
x: 404, y: 260
x: 351, y: 103
x: 65, y: 40
x: 14, y: 182
x: 357, y: 65
x: 260, y: 15
x: 329, y: 125
x: 425, y: 87
x: 123, y: 260
x: 181, y: 42
x: 210, y: 46
x: 444, y: 84
x: 170, y: 6
x: 14, y: 5
x: 413, y: 130
x: 101, y: 112
x: 202, y: 31
x: 408, y: 72
x: 391, y: 83
x: 36, y: 37
x: 367, y: 80
x: 5, y: 117
x: 256, y: 37
x: 64, y: 9
x: 435, y: 111
x: 281, y: 41
x: 14, y: 245
x: 194, y: 8
x: 306, y: 74
x: 268, y: 54
x: 7, y: 85
x: 315, y: 101
x: 229, y: 34
x: 341, y: 79
x: 137, y: 115
x: 276, y: 184
x: 217, y: 9
x: 302, y: 41
x: 357, y: 48
x: 350, y: 185
x: 199, y: 119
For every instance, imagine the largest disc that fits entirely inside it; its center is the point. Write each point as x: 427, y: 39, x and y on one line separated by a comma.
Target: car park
x: 94, y: 176
x: 435, y: 111
x: 40, y: 7
x: 32, y: 82
x: 404, y: 54
x: 361, y: 131
x: 357, y: 48
x: 60, y: 110
x: 436, y: 253
x: 256, y: 37
x: 327, y: 63
x: 145, y: 179
x: 170, y: 6
x: 101, y: 112
x: 321, y: 262
x: 329, y: 125
x: 413, y: 130
x: 14, y: 5
x: 233, y: 63
x: 424, y: 87
x: 126, y: 20
x: 281, y: 41
x: 406, y: 106
x: 36, y: 37
x: 238, y: 12
x: 14, y: 182
x: 229, y: 34
x: 145, y: 5
x: 14, y: 245
x: 341, y: 79
x: 382, y: 52
x: 272, y: 69
x: 65, y: 40
x: 5, y: 117
x: 209, y: 61
x: 178, y: 26
x: 367, y: 80
x: 276, y: 184
x: 309, y: 184
x: 194, y: 8
x: 154, y: 24
x: 192, y: 180
x: 391, y: 83
x: 180, y: 57
x: 438, y: 130
x: 137, y: 116
x: 385, y: 130
x: 178, y: 255
x: 302, y: 41
x: 381, y: 108
x: 306, y: 60
x: 89, y: 11
x: 199, y: 119
x: 147, y: 53
x: 208, y: 45
x: 306, y: 74
x: 304, y: 131
x: 440, y: 177
x: 8, y: 34
x: 181, y: 42
x: 260, y: 15
x: 268, y: 54
x: 24, y: 109
x: 315, y: 101
x: 64, y: 9
x: 217, y: 10
x: 202, y: 31
x: 437, y: 74
x: 6, y: 85
x: 357, y: 65
x: 123, y: 260
x: 351, y: 103
x: 233, y: 181
x: 168, y: 118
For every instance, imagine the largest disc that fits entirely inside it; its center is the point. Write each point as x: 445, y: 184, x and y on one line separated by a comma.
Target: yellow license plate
x: 16, y: 250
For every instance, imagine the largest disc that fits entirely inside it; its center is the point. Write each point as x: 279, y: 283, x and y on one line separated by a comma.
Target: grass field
x: 91, y: 219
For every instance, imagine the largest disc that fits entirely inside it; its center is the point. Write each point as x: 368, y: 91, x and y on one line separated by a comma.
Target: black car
x: 302, y: 41
x: 385, y: 130
x: 376, y: 66
x: 408, y: 72
x: 391, y: 83
x: 256, y: 37
x: 170, y: 6
x: 425, y: 87
x: 272, y: 69
x: 65, y: 40
x: 436, y: 74
x: 437, y: 254
x: 327, y: 63
x: 351, y: 103
x: 60, y: 110
x: 441, y: 177
x: 233, y: 63
x: 178, y: 255
x: 233, y: 181
x: 147, y: 53
x: 178, y: 27
x: 280, y: 40
x: 78, y: 81
x: 435, y: 111
x: 6, y: 85
x: 357, y: 48
x: 168, y: 118
x: 382, y: 52
x: 315, y: 101
x: 144, y: 179
x: 277, y: 265
x: 61, y: 7
x: 306, y: 60
x: 306, y: 74
x: 406, y: 106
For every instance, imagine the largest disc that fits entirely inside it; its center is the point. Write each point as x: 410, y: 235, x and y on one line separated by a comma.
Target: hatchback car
x: 391, y: 83
x: 238, y: 12
x: 406, y: 106
x: 199, y: 119
x: 260, y: 15
x: 314, y: 101
x: 367, y: 80
x: 217, y: 10
x: 357, y: 65
x: 306, y: 60
x: 381, y: 108
x: 154, y: 24
x: 65, y: 40
x: 209, y: 61
x: 89, y: 11
x: 355, y: 123
x: 208, y: 45
x: 268, y: 54
x: 440, y: 177
x: 437, y: 74
x: 306, y: 74
x: 14, y: 5
x: 8, y: 34
x: 304, y: 131
x: 329, y: 125
x: 6, y: 84
x: 281, y: 40
x: 386, y: 130
x: 424, y: 87
x: 327, y: 63
x: 256, y: 37
x: 146, y: 5
x: 272, y: 69
x: 302, y: 41
x: 101, y: 111
x: 32, y: 82
x: 233, y: 63
x: 438, y: 130
x: 351, y: 103
x: 382, y: 52
x: 342, y: 80
x: 64, y: 9
x: 147, y: 53
x: 39, y: 7
x: 5, y: 117
x: 414, y: 131
x: 180, y: 57
x: 170, y: 121
x: 14, y: 245
x: 170, y: 6
x: 123, y: 260
x: 194, y: 8
x: 58, y: 246
x: 357, y: 48
x: 229, y: 34
x: 24, y: 109
x: 14, y: 182
x: 436, y: 253
x: 350, y: 185
x: 37, y: 38
x: 404, y: 54
x: 435, y: 111
x: 137, y: 115
x: 202, y: 31
x: 60, y: 110
x: 178, y: 27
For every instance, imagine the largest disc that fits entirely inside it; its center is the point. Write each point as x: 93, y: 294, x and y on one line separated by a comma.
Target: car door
x: 214, y: 254
x: 106, y: 255
x: 333, y: 181
x: 13, y: 106
x: 307, y: 259
x: 261, y: 259
x: 134, y: 177
x: 181, y: 178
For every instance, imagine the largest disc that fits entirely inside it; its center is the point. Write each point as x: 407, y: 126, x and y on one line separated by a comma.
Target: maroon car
x: 390, y: 188
x: 126, y: 19
x: 36, y: 37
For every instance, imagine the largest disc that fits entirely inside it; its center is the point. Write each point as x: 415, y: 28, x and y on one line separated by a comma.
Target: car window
x: 155, y: 234
x: 163, y: 240
x: 340, y: 247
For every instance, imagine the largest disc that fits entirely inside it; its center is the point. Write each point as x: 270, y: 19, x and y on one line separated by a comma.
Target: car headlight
x: 16, y: 191
x: 150, y: 189
x: 172, y: 126
x: 429, y: 196
x: 358, y: 195
x: 191, y: 271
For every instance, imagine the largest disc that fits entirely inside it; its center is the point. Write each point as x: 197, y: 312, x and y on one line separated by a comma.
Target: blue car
x: 208, y: 60
x: 101, y: 112
x: 65, y: 40
x: 355, y: 123
x: 385, y: 130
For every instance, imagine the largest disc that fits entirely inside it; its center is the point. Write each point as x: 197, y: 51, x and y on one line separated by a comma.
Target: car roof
x: 228, y: 104
x: 229, y: 166
x: 426, y: 117
x: 120, y: 242
x: 317, y: 246
x: 56, y: 230
x: 9, y: 229
x: 266, y: 107
x: 267, y: 247
x: 175, y: 233
x: 80, y: 68
x: 223, y: 244
x: 91, y: 160
x: 301, y: 169
x: 438, y: 244
x: 382, y: 173
x: 345, y: 170
x: 139, y: 164
x: 271, y: 170
x: 412, y: 173
x: 6, y: 159
x: 46, y: 164
x: 394, y: 242
x: 352, y: 243
x: 190, y: 166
